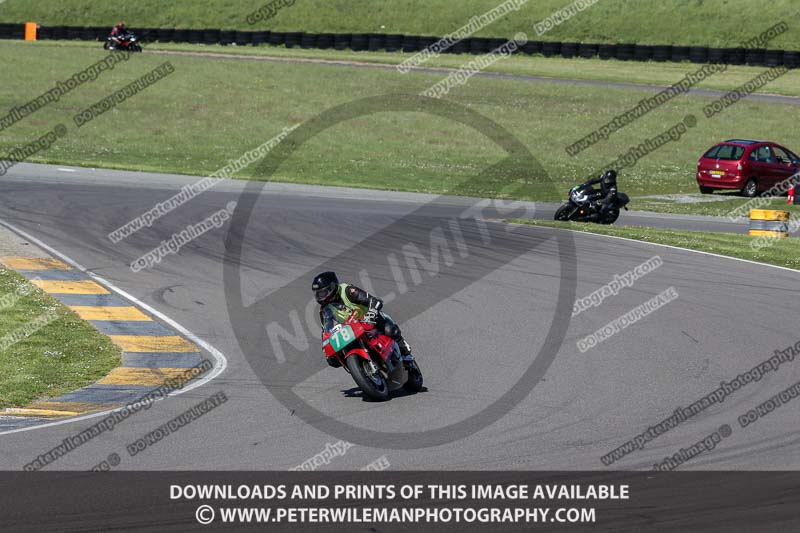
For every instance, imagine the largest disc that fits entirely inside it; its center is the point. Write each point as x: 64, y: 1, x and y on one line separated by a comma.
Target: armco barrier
x: 415, y: 43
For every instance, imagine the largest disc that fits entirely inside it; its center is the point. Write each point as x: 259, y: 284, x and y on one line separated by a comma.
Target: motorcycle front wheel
x: 371, y: 382
x: 562, y: 213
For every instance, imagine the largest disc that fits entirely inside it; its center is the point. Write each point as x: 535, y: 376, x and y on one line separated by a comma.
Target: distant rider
x: 118, y: 32
x: 606, y: 197
x: 338, y: 300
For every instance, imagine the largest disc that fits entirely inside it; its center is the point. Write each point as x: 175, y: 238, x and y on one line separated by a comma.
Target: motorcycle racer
x: 606, y: 197
x: 338, y: 300
x: 118, y: 32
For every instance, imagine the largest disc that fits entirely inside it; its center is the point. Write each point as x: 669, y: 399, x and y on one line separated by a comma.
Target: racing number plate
x: 342, y: 337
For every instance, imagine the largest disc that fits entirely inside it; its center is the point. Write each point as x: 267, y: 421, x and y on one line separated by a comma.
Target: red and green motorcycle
x: 372, y: 358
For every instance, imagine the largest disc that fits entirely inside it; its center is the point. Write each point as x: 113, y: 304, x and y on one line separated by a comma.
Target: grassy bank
x: 629, y: 72
x: 210, y: 111
x: 700, y: 22
x: 782, y: 252
x: 725, y: 207
x: 64, y: 355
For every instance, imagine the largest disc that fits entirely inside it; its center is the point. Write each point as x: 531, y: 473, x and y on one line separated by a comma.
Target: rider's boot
x: 405, y: 349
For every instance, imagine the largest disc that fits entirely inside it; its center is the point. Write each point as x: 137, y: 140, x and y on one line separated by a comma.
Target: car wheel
x: 706, y: 190
x: 750, y: 188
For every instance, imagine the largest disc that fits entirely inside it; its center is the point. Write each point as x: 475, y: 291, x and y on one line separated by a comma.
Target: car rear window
x: 712, y: 154
x: 729, y: 152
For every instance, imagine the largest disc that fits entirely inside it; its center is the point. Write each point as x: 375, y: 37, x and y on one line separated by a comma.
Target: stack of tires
x: 698, y: 54
x: 415, y: 43
x: 625, y: 51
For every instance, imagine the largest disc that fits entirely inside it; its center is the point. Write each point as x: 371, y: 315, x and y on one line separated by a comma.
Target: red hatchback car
x: 748, y: 166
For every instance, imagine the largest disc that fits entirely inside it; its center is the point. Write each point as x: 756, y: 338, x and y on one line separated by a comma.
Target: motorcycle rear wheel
x: 372, y: 384
x: 611, y: 217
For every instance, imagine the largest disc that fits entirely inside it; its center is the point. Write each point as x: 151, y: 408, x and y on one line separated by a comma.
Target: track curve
x: 730, y: 315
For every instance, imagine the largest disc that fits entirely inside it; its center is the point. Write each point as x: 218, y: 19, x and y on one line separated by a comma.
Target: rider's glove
x: 371, y: 317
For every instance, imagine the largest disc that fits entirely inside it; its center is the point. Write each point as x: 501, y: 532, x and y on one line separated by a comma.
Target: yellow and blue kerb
x: 151, y: 352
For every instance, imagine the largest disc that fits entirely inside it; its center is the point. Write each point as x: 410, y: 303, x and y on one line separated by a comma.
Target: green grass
x: 690, y: 22
x: 211, y: 111
x: 782, y: 252
x: 720, y: 209
x: 62, y: 356
x: 632, y: 72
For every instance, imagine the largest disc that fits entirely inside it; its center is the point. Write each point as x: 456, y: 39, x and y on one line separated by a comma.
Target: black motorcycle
x: 582, y: 208
x: 127, y: 42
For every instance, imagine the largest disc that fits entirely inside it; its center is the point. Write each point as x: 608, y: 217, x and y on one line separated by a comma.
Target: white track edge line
x: 221, y: 362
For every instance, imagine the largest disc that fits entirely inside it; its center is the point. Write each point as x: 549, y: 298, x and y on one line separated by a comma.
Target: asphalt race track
x: 480, y: 328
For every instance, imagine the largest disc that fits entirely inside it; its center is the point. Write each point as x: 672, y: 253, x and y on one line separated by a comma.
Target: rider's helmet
x: 325, y: 287
x: 609, y: 177
x: 121, y: 26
